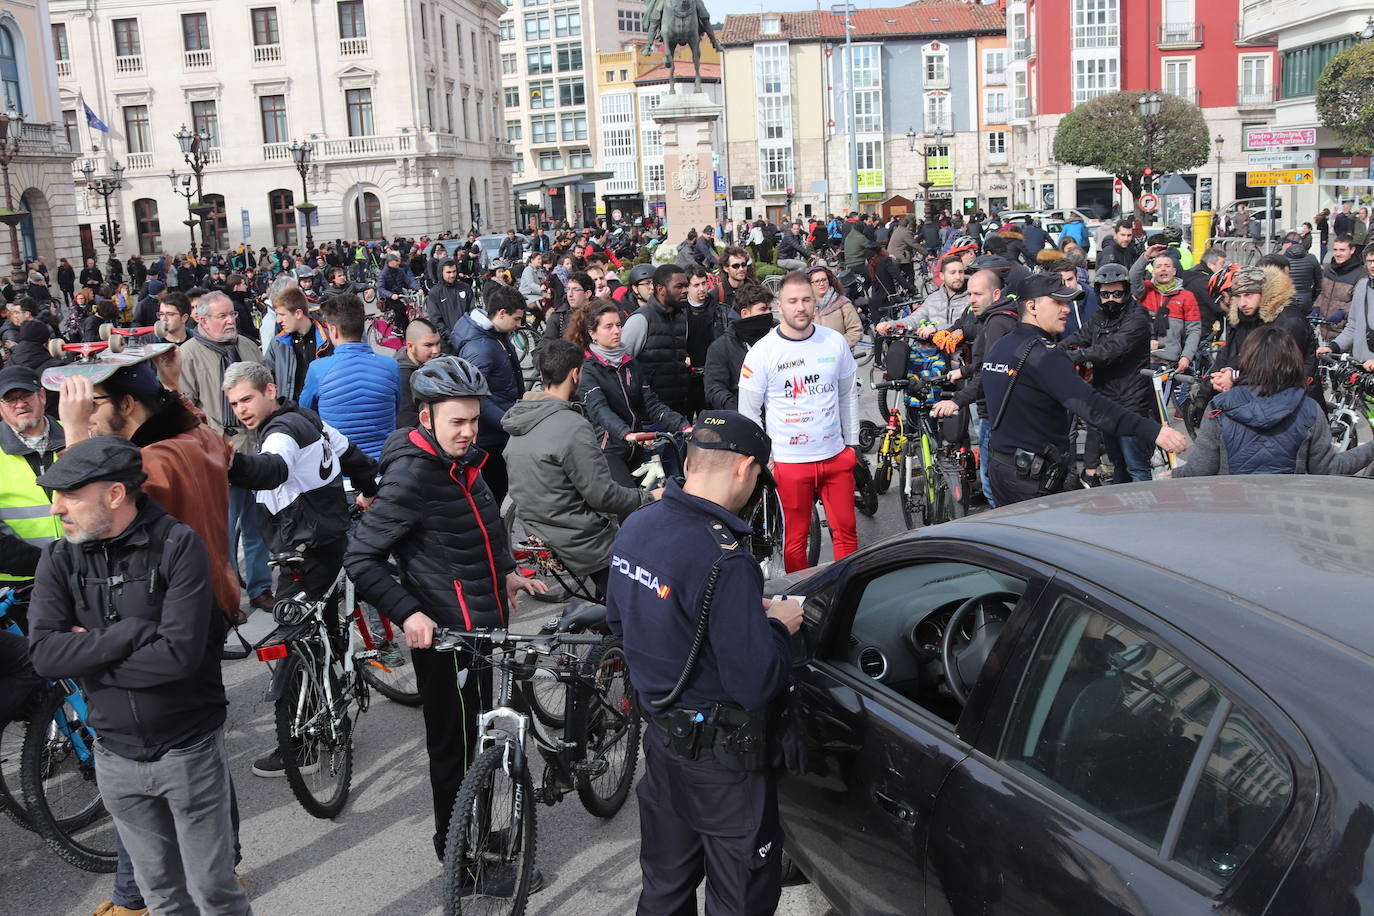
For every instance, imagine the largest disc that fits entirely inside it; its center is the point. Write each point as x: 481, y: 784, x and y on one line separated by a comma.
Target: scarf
x: 831, y: 303
x: 1167, y: 289
x: 612, y: 357
x: 228, y: 352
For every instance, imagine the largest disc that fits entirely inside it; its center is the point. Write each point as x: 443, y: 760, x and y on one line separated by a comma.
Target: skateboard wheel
x: 159, y: 328
x: 55, y: 349
x: 105, y: 331
x: 116, y: 343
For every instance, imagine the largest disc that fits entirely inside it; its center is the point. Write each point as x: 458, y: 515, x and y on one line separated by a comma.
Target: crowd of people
x: 186, y: 472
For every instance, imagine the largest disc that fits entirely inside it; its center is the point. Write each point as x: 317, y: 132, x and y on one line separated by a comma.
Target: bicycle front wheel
x: 390, y: 672
x: 315, y: 741
x: 489, y: 850
x: 11, y: 753
x: 913, y: 496
x: 768, y: 539
x: 60, y: 791
x: 611, y: 738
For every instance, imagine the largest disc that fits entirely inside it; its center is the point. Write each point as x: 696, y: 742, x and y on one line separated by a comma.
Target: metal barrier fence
x: 1242, y: 251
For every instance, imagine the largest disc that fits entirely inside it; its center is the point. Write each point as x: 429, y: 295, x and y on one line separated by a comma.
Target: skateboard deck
x: 98, y: 363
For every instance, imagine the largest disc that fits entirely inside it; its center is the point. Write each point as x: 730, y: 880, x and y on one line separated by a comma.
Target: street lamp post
x: 195, y: 149
x: 300, y: 154
x: 11, y: 128
x: 106, y: 187
x: 543, y: 202
x: 181, y: 184
x: 1216, y: 191
x: 939, y: 142
x: 1149, y: 109
x: 925, y: 181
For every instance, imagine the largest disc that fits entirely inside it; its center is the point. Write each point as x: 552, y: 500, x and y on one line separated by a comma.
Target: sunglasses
x: 1112, y: 294
x: 739, y: 266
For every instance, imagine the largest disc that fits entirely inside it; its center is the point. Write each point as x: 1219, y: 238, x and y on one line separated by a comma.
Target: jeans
x: 985, y: 458
x: 1130, y: 458
x: 243, y: 523
x: 798, y: 486
x: 174, y: 818
x: 126, y: 892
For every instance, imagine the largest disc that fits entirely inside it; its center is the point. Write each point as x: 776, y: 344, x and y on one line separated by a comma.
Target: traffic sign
x: 1274, y: 179
x: 1264, y: 137
x: 1302, y: 157
x: 1148, y: 202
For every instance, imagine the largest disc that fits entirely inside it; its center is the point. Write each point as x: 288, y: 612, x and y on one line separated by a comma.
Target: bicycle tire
x: 913, y: 499
x: 397, y: 682
x: 868, y: 435
x: 336, y: 764
x: 11, y: 754
x: 947, y: 489
x: 470, y: 828
x: 607, y: 664
x: 813, y: 540
x: 865, y: 489
x: 768, y: 538
x: 524, y: 341
x: 85, y: 837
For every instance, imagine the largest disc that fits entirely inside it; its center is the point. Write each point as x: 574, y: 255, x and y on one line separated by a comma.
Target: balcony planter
x: 13, y: 218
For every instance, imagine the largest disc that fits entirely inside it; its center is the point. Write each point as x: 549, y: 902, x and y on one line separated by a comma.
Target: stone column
x: 685, y: 123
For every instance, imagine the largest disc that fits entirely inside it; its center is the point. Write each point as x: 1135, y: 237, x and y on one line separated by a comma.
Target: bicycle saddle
x: 583, y: 616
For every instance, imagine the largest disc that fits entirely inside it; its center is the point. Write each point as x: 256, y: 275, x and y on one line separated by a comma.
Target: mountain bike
x: 935, y: 479
x: 317, y: 692
x: 490, y: 848
x: 768, y: 539
x: 1192, y: 407
x: 58, y: 796
x: 1348, y: 403
x: 1164, y: 378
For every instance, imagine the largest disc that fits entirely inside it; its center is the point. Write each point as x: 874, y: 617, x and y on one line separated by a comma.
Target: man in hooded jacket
x: 725, y: 357
x: 448, y: 300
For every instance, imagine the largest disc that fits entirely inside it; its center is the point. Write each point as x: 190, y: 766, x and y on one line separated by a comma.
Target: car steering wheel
x: 970, y: 658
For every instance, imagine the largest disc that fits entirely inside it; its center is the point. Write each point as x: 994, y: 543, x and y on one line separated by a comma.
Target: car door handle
x: 900, y: 810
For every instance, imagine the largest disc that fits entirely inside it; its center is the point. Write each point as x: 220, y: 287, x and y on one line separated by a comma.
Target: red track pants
x: 798, y: 486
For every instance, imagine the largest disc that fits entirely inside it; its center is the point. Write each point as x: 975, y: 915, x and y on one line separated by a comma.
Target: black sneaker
x: 271, y: 766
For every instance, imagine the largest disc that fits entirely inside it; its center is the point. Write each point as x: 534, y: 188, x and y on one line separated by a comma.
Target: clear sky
x: 719, y: 8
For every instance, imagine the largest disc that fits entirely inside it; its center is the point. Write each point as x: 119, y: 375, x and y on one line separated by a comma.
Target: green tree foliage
x: 1108, y: 133
x: 1345, y: 98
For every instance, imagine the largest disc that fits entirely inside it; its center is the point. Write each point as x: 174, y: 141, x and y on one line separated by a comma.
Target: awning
x: 562, y: 181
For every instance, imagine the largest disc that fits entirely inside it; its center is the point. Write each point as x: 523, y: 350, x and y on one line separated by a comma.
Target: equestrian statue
x: 677, y: 23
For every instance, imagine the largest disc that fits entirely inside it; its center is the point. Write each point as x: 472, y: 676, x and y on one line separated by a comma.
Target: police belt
x: 738, y: 739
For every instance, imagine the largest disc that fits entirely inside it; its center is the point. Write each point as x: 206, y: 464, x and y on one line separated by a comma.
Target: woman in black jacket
x: 66, y: 280
x: 105, y: 312
x: 615, y: 393
x: 885, y: 281
x: 91, y: 277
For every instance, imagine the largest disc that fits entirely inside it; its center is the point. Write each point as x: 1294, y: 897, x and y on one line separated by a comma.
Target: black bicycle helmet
x: 1172, y: 235
x: 641, y: 272
x: 1111, y: 273
x: 445, y: 377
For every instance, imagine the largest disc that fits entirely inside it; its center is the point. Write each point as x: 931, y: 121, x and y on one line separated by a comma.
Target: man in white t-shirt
x: 800, y: 378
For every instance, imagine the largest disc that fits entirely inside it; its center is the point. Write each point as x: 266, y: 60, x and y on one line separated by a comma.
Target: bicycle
x: 651, y: 473
x: 1348, y: 396
x: 59, y: 798
x: 490, y: 847
x: 768, y: 539
x: 934, y: 479
x: 1161, y: 378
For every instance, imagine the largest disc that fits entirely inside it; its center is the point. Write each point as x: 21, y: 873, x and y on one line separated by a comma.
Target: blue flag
x: 93, y: 122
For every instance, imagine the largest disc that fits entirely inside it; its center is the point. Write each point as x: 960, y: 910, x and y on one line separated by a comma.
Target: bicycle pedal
x: 592, y: 768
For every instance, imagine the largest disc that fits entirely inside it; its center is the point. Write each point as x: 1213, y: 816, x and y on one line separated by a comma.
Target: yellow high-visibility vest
x: 24, y: 505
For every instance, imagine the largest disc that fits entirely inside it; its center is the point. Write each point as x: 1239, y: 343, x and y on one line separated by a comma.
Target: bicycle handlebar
x: 451, y: 640
x: 1166, y: 371
x: 912, y: 384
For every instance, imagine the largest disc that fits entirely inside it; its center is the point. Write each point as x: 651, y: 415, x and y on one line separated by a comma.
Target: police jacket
x: 1118, y: 347
x: 664, y: 353
x: 435, y: 515
x: 24, y: 505
x: 297, y: 466
x: 475, y: 340
x: 1047, y: 388
x: 618, y: 400
x: 660, y: 565
x: 152, y: 677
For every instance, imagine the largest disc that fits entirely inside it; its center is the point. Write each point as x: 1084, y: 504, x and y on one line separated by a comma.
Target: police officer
x: 1032, y: 387
x: 709, y: 659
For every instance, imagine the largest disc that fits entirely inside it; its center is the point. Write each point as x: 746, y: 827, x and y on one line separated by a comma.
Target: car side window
x: 1113, y: 722
x: 900, y: 618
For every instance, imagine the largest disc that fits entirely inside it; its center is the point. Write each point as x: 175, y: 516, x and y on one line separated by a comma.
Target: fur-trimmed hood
x: 1277, y: 292
x: 1011, y: 234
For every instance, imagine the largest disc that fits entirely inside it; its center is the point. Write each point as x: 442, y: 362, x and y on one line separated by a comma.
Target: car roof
x: 1298, y: 547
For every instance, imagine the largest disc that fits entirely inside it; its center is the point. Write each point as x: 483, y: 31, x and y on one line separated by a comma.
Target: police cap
x: 1047, y: 284
x: 732, y: 431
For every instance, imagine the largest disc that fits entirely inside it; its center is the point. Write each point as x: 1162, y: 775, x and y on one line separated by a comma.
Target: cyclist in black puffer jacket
x: 436, y: 516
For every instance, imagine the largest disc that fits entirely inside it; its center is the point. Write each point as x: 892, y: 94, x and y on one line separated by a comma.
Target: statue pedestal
x: 685, y: 123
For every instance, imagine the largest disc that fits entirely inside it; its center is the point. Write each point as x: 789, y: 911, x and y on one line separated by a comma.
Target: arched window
x: 282, y: 203
x: 26, y: 235
x: 474, y: 204
x: 368, y: 210
x: 149, y: 230
x: 9, y: 72
x: 217, y: 223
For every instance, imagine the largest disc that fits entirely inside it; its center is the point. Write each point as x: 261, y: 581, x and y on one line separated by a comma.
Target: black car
x: 1136, y: 699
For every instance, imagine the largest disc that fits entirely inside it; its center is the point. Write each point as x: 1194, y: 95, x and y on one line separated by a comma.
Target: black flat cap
x: 732, y: 431
x: 102, y: 458
x: 18, y: 378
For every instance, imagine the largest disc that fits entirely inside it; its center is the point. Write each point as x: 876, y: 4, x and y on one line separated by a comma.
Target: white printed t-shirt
x: 799, y: 384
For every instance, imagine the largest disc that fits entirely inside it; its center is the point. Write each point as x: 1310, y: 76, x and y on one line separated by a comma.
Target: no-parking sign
x: 1148, y: 202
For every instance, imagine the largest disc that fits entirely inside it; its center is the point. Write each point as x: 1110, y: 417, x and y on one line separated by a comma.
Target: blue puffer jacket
x: 1263, y: 435
x: 357, y: 392
x: 475, y: 340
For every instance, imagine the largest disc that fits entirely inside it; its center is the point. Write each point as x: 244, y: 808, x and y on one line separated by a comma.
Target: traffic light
x: 104, y: 235
x: 117, y: 234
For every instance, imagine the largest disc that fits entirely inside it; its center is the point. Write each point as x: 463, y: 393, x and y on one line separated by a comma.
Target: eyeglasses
x: 168, y: 314
x: 222, y: 316
x: 1112, y: 294
x: 11, y: 398
x: 819, y: 278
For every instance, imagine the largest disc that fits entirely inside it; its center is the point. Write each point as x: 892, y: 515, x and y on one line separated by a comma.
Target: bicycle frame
x: 929, y: 458
x: 73, y: 695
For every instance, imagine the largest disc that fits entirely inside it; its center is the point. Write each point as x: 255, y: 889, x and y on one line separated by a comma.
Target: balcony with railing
x: 995, y: 78
x: 1255, y: 96
x: 202, y: 59
x: 1261, y: 20
x: 276, y: 152
x: 136, y: 162
x: 1022, y: 110
x: 999, y: 115
x: 1179, y: 35
x: 939, y: 81
x: 354, y: 147
x: 129, y: 65
x: 41, y: 139
x: 267, y: 54
x: 353, y: 47
x: 1023, y: 48
x: 64, y: 69
x: 1188, y: 94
